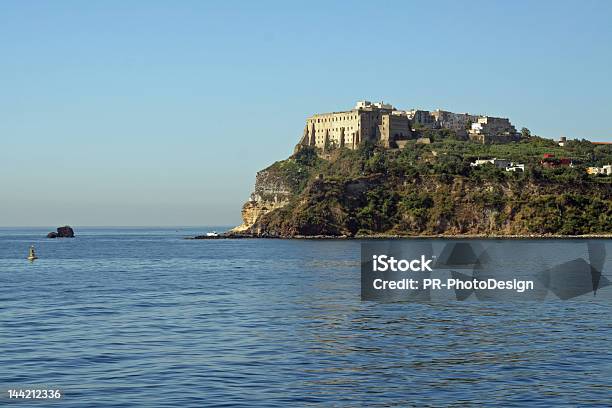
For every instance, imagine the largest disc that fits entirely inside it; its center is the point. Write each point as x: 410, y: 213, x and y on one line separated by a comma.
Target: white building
x: 605, y: 170
x: 491, y: 129
x: 500, y: 164
x: 515, y: 167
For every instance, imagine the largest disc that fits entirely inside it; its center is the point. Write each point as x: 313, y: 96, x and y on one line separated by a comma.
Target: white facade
x: 368, y: 104
x: 605, y: 170
x: 500, y: 164
x: 515, y: 167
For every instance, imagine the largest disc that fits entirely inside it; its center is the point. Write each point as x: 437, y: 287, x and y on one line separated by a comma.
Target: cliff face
x: 254, y: 210
x: 409, y: 193
x: 429, y: 206
x: 271, y: 192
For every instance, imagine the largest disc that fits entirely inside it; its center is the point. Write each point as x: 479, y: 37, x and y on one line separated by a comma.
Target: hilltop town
x: 391, y: 128
x: 384, y: 125
x: 379, y: 171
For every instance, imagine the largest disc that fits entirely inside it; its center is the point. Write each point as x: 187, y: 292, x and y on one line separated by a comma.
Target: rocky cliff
x: 271, y: 192
x: 423, y: 190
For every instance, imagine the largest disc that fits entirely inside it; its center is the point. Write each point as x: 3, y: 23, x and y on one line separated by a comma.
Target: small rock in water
x: 62, y: 232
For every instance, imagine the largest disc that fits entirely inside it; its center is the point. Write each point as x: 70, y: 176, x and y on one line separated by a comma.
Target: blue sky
x: 160, y: 113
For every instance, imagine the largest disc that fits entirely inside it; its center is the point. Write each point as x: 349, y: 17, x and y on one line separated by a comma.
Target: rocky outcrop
x: 426, y: 190
x: 428, y: 206
x: 270, y: 186
x: 253, y: 210
x: 271, y: 192
x: 419, y: 191
x: 62, y: 232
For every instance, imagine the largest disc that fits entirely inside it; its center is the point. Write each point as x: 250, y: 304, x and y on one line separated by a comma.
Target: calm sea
x: 142, y: 317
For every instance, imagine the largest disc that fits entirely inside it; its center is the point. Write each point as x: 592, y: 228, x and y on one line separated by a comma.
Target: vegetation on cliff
x: 432, y: 189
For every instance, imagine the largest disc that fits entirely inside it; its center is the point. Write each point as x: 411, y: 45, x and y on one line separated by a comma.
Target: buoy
x: 32, y: 254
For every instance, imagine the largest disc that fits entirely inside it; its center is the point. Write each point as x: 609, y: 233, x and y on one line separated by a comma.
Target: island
x: 62, y: 232
x: 376, y: 171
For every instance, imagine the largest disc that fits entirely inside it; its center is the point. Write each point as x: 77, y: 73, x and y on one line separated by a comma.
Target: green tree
x: 306, y: 156
x: 525, y: 133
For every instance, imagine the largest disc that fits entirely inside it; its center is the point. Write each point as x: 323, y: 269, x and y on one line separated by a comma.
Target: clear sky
x: 160, y: 112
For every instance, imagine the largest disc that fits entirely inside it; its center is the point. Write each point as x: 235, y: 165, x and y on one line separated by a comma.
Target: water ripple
x: 145, y: 318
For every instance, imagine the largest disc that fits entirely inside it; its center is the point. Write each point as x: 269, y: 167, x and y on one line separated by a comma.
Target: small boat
x: 32, y: 254
x: 212, y: 234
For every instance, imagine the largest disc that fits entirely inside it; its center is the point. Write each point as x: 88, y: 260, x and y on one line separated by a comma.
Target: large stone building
x: 367, y: 121
x: 382, y: 123
x: 489, y: 129
x: 459, y: 122
x: 421, y: 118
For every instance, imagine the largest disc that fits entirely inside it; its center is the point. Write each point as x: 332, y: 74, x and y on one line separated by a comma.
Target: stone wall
x: 393, y: 128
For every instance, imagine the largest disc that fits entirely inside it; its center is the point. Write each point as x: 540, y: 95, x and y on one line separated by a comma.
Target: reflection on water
x: 145, y: 318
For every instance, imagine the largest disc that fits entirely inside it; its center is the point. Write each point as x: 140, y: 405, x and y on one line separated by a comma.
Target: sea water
x: 143, y: 317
